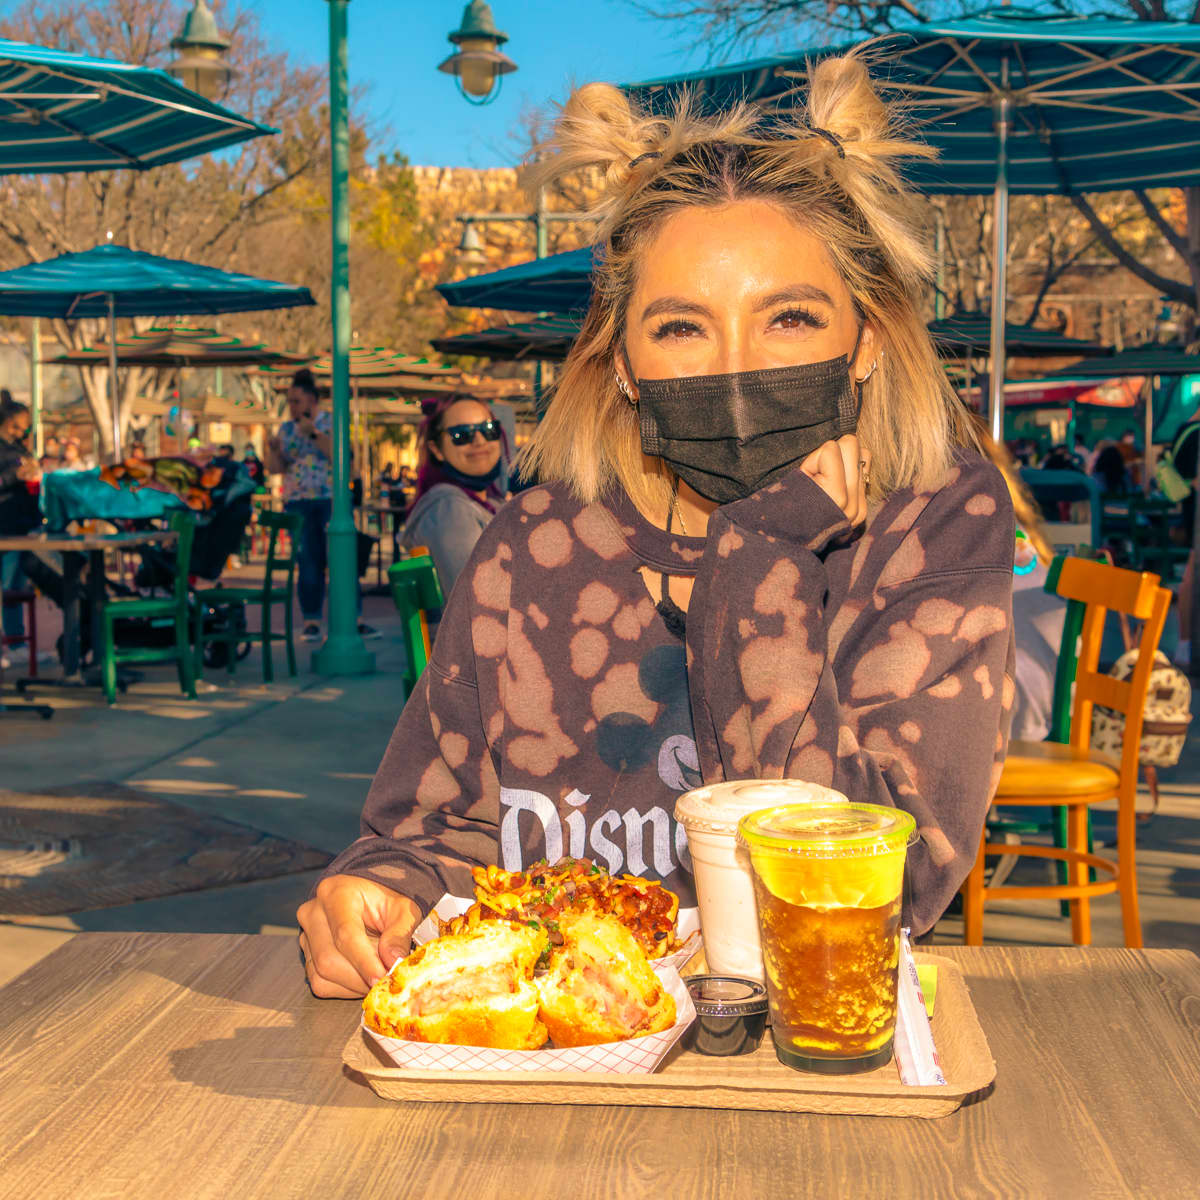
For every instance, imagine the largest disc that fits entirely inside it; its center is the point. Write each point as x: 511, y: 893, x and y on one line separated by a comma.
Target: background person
x: 690, y: 592
x: 302, y: 452
x: 457, y: 486
x: 19, y: 513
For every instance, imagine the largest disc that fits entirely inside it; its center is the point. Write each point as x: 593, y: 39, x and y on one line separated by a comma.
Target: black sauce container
x: 731, y: 1015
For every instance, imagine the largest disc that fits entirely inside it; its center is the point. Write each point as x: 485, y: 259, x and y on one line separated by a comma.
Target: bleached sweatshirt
x: 559, y: 713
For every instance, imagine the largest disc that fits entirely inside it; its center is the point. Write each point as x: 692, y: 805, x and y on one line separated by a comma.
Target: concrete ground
x: 295, y: 758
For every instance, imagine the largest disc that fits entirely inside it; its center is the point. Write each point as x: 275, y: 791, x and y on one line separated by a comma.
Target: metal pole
x: 939, y: 296
x: 999, y: 258
x: 113, y: 395
x: 35, y: 386
x: 541, y: 229
x: 1148, y: 451
x: 343, y: 652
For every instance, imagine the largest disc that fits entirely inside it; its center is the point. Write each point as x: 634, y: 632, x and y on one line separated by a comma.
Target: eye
x: 799, y: 318
x: 678, y: 328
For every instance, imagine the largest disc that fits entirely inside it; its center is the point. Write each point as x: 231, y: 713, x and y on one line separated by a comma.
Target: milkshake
x: 724, y: 880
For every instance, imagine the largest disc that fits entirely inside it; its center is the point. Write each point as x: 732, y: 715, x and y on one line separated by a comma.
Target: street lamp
x: 478, y: 63
x: 470, y: 247
x: 201, y: 64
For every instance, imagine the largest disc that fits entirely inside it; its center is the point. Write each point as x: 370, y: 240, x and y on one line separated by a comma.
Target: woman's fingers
x: 323, y: 988
x: 838, y: 469
x: 330, y: 975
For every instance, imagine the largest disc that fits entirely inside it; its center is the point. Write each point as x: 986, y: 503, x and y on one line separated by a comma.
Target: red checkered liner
x: 687, y: 926
x: 634, y: 1056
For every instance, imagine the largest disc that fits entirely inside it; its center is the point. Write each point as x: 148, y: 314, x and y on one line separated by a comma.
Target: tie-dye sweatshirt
x: 558, y: 714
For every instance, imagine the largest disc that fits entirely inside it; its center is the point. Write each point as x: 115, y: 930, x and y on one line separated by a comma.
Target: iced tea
x: 827, y: 886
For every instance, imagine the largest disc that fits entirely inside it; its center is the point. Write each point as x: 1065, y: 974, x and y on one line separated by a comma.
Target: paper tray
x: 752, y: 1081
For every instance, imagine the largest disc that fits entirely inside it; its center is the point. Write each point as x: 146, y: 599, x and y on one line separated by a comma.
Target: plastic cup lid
x: 726, y: 996
x: 831, y: 831
x: 718, y: 807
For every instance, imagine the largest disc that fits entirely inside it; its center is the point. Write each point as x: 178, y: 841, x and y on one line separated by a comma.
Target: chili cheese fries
x: 544, y: 894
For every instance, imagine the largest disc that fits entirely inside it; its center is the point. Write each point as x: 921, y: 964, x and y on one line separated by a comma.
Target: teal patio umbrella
x: 70, y: 112
x: 1016, y: 101
x: 544, y: 339
x: 559, y: 283
x: 113, y: 281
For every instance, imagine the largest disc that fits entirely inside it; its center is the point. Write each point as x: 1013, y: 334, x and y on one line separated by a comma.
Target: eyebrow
x: 679, y: 305
x: 799, y: 291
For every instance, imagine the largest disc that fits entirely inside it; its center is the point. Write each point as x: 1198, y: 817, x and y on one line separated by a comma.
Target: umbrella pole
x: 1003, y: 117
x: 35, y: 386
x: 1148, y: 443
x: 113, y: 395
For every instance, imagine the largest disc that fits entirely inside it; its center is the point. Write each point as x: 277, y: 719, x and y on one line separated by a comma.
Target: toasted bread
x: 600, y: 986
x: 471, y: 989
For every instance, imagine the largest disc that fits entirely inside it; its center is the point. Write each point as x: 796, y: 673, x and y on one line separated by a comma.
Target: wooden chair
x: 175, y: 609
x: 415, y: 590
x: 1073, y: 777
x: 284, y: 530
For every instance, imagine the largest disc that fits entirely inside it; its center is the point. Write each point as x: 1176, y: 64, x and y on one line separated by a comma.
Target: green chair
x: 267, y: 596
x: 174, y: 608
x: 415, y: 590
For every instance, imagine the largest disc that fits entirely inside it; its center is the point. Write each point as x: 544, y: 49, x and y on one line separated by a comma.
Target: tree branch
x: 1172, y: 288
x: 1169, y: 232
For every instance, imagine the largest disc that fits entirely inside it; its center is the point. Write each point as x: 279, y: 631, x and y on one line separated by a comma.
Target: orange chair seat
x: 1043, y: 769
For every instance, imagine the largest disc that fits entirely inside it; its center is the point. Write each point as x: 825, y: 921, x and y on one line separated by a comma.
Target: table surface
x: 87, y: 541
x: 143, y: 1065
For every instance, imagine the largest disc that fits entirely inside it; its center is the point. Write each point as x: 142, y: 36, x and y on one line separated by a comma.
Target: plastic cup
x: 724, y: 883
x: 828, y: 882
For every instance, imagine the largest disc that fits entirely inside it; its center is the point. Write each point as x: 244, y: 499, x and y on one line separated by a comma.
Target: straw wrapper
x: 634, y: 1056
x: 916, y: 1055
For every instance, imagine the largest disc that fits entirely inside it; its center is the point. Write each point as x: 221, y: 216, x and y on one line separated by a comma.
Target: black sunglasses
x: 463, y: 435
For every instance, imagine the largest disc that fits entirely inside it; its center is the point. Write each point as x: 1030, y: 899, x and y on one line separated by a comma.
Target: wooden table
x: 76, y: 550
x: 198, y: 1065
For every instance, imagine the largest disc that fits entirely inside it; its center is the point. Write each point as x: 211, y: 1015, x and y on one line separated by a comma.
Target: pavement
x: 295, y: 758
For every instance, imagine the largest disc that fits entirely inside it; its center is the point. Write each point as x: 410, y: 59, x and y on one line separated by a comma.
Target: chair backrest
x: 415, y: 589
x: 277, y: 523
x: 183, y: 523
x: 1101, y: 588
x: 1053, y: 487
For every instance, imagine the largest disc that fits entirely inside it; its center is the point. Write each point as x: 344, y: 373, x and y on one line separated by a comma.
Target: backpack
x: 1166, y: 716
x: 1173, y: 485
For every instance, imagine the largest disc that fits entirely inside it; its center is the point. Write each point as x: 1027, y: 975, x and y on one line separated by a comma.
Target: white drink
x: 724, y: 880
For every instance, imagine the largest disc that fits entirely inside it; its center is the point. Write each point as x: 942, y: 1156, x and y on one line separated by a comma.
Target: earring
x: 869, y: 373
x: 624, y: 387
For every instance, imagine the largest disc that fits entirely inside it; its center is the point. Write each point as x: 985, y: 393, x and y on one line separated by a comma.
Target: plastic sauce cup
x: 724, y: 883
x: 828, y: 882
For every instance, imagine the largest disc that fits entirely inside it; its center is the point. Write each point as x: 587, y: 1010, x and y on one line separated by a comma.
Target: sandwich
x: 599, y: 986
x: 473, y: 988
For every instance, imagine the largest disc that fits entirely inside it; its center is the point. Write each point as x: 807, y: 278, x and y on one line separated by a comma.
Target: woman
x: 1112, y: 470
x: 706, y: 476
x: 302, y: 452
x: 457, y: 492
x: 19, y: 512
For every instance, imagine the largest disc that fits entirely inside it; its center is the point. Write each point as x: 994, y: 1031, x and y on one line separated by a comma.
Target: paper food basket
x: 634, y: 1056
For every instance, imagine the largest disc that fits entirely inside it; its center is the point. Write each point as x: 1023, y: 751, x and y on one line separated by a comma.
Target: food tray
x: 752, y: 1081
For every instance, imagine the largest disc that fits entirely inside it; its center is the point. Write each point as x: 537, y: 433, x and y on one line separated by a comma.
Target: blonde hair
x: 1025, y: 509
x: 833, y: 167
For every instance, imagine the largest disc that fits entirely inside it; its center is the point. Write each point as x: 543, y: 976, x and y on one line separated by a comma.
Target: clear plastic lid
x: 718, y: 807
x: 726, y: 996
x: 828, y: 831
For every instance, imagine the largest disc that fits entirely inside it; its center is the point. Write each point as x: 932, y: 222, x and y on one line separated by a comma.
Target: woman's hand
x: 352, y: 932
x: 28, y: 470
x: 841, y: 470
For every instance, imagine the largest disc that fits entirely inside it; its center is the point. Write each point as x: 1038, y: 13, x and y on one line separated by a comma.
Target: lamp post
x: 201, y: 50
x: 471, y: 250
x: 478, y: 64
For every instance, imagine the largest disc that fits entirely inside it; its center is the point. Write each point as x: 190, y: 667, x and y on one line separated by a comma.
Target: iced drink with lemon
x: 827, y: 886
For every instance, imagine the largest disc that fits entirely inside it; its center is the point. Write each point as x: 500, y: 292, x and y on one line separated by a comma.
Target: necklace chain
x: 674, y: 511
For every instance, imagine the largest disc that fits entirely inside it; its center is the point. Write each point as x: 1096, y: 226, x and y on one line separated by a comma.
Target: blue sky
x: 395, y: 46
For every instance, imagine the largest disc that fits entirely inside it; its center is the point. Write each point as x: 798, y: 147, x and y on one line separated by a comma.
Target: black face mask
x: 726, y: 436
x: 475, y: 483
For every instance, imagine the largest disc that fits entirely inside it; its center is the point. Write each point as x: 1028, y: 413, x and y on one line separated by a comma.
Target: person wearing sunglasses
x: 458, y: 486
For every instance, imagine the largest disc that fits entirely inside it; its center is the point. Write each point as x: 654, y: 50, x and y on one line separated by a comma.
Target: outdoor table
x: 76, y: 550
x: 396, y: 519
x: 148, y: 1065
